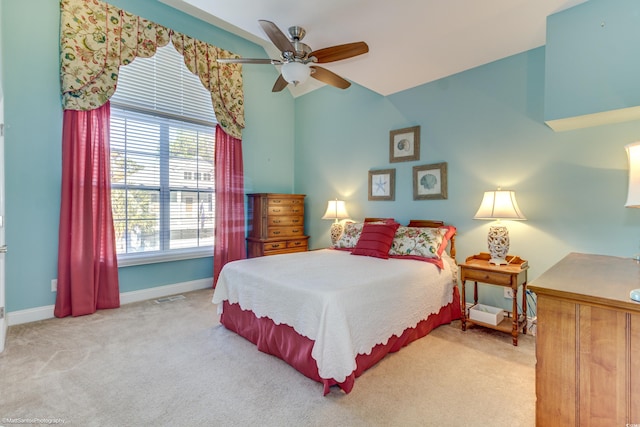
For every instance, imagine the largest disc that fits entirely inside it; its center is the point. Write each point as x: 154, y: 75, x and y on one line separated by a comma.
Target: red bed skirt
x: 284, y: 342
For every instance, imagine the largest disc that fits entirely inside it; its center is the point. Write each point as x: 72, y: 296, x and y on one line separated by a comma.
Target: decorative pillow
x: 350, y: 236
x: 451, y: 231
x: 376, y: 239
x: 423, y: 244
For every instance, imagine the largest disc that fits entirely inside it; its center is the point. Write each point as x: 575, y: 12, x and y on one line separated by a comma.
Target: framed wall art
x: 430, y: 182
x: 404, y: 144
x: 382, y: 184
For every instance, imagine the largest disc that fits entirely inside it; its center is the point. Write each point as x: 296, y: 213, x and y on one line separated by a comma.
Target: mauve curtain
x: 87, y: 261
x: 229, y: 227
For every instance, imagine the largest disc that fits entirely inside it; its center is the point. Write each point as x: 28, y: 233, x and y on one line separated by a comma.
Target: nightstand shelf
x: 505, y: 326
x: 513, y: 275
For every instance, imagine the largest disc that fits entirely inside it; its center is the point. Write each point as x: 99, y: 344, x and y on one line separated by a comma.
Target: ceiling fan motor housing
x: 302, y: 50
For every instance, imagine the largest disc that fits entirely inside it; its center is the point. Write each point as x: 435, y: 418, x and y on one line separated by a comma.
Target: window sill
x: 129, y: 260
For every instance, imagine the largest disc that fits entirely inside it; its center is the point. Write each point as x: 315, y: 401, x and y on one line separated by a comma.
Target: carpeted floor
x: 150, y: 364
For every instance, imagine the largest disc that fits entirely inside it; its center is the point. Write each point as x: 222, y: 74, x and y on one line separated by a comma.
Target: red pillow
x: 451, y: 231
x: 376, y: 239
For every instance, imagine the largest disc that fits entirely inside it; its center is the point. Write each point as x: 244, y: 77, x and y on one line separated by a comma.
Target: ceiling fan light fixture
x: 295, y: 72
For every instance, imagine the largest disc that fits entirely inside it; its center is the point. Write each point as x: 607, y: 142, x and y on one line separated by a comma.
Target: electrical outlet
x: 54, y: 285
x: 508, y: 293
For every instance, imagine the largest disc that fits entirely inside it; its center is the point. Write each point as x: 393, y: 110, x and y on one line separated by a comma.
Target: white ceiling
x: 411, y: 42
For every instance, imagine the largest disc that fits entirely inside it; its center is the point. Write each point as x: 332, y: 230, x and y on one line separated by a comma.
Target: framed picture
x: 382, y: 184
x: 404, y: 144
x: 430, y: 182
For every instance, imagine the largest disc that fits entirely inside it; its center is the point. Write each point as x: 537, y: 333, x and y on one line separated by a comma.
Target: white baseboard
x: 163, y: 291
x: 46, y: 312
x: 3, y: 333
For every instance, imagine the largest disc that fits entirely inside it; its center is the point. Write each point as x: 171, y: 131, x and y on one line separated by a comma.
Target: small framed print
x: 382, y: 184
x: 430, y: 182
x: 404, y: 144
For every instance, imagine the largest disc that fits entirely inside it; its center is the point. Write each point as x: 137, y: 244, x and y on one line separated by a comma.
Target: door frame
x: 3, y: 311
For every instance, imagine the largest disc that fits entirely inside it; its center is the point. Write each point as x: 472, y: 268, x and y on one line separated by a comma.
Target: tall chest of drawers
x: 276, y: 224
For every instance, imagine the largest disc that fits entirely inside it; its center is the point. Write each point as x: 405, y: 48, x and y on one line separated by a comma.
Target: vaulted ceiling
x: 411, y: 42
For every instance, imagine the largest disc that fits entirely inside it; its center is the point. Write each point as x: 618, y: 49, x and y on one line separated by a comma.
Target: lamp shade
x: 295, y: 72
x: 633, y: 195
x: 500, y: 204
x: 336, y: 209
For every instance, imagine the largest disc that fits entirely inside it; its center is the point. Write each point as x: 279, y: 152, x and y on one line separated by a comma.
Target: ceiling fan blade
x: 329, y: 77
x: 343, y: 51
x: 280, y: 84
x: 277, y: 36
x: 248, y: 61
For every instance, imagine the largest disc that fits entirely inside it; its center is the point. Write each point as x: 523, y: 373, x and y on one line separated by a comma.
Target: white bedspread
x: 347, y: 304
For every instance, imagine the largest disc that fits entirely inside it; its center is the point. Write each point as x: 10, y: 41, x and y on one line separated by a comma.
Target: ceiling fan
x: 296, y: 56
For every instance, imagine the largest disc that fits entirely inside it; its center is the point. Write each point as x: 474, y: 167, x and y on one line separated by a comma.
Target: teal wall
x: 592, y: 58
x: 487, y: 124
x: 29, y: 33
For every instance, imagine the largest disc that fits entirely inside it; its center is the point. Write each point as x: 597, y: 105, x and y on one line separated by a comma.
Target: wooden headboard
x: 427, y: 223
x: 376, y: 219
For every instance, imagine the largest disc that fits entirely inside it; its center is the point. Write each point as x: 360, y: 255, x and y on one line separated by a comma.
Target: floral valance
x: 96, y: 38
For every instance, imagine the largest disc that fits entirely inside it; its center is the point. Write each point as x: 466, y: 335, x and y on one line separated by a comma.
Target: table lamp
x: 633, y: 195
x: 337, y: 211
x: 497, y: 205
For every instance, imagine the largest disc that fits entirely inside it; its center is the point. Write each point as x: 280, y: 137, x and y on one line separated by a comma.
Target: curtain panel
x: 87, y: 261
x: 230, y: 244
x: 96, y: 38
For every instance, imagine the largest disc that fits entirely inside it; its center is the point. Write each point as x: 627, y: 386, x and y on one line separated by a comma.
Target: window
x: 162, y: 160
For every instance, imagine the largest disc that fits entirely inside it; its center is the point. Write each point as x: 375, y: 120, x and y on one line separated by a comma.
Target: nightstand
x: 512, y: 275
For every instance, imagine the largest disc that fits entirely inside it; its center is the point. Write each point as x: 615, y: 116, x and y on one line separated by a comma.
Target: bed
x: 332, y: 315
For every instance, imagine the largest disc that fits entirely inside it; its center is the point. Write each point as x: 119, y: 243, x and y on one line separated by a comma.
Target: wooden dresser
x: 276, y: 224
x: 588, y: 342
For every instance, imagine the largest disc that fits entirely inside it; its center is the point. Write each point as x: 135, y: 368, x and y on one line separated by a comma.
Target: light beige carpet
x: 149, y: 364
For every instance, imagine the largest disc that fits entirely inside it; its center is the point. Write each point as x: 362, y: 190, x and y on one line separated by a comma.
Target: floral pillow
x: 424, y: 244
x: 350, y: 236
